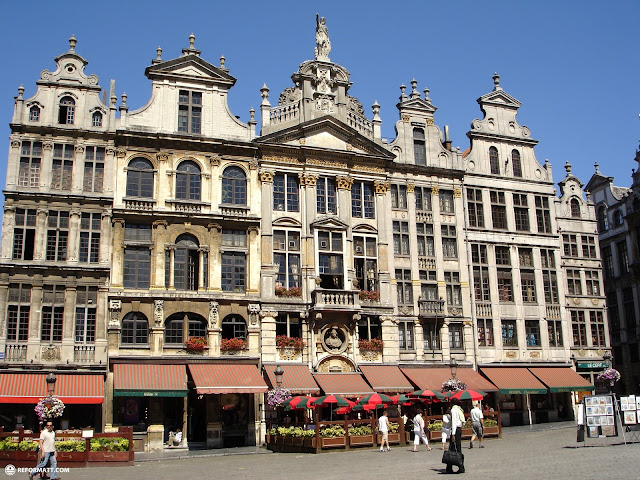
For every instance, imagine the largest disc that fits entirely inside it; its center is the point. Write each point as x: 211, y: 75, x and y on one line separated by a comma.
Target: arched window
x: 140, y: 178
x: 494, y: 161
x: 181, y: 326
x: 234, y: 326
x: 188, y: 181
x: 419, y: 150
x: 135, y: 329
x: 603, y: 221
x: 517, y: 164
x: 186, y: 263
x: 96, y: 119
x: 618, y: 218
x: 67, y: 111
x: 575, y: 208
x: 234, y: 186
x: 34, y: 114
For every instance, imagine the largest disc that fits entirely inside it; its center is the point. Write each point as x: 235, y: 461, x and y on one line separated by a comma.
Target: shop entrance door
x: 196, y: 418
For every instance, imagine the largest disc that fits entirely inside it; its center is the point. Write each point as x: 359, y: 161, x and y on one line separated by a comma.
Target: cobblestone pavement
x: 539, y: 452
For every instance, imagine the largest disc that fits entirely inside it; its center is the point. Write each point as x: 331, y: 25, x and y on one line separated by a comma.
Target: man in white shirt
x: 383, y: 428
x: 477, y: 424
x: 175, y: 438
x: 47, y: 445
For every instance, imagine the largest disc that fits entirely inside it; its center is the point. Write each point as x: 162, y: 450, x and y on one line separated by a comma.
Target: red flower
x: 374, y: 344
x: 229, y: 344
x: 282, y: 341
x: 197, y: 344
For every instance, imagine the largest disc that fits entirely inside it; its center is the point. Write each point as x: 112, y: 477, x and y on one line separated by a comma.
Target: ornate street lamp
x: 453, y: 365
x: 51, y: 384
x: 278, y: 372
x: 607, y: 357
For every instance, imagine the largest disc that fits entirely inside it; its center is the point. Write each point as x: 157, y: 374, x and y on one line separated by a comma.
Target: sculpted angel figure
x: 323, y: 44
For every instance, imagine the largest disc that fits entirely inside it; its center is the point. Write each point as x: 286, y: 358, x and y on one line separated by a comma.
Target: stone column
x: 201, y: 252
x: 118, y: 253
x: 106, y: 239
x: 444, y: 341
x: 77, y: 172
x: 172, y: 271
x: 267, y: 271
x: 215, y: 257
x: 36, y: 308
x: 253, y: 263
x: 213, y: 329
x: 159, y: 242
x: 344, y: 185
x: 46, y: 164
x: 40, y: 242
x: 68, y: 334
x: 74, y: 235
x: 102, y: 317
x: 156, y: 334
x: 268, y: 332
x: 391, y: 352
x: 110, y: 172
x: 307, y: 242
x: 8, y: 224
x: 385, y: 238
x: 418, y: 335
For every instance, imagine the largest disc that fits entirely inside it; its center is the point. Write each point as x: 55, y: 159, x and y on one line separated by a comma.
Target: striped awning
x: 70, y: 388
x: 227, y: 378
x: 433, y: 378
x: 514, y: 380
x: 296, y: 378
x: 345, y: 384
x: 386, y: 378
x: 561, y: 379
x: 149, y: 380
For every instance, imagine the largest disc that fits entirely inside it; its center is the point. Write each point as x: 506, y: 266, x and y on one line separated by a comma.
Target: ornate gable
x: 329, y: 223
x: 190, y: 66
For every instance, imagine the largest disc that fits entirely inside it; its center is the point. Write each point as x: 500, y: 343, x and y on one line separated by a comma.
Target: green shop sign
x: 592, y: 365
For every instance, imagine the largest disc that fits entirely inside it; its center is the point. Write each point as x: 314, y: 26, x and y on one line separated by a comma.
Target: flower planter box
x: 435, y: 435
x: 333, y: 442
x: 309, y: 442
x: 394, y: 439
x: 492, y: 431
x: 279, y: 440
x: 108, y: 457
x: 298, y: 441
x: 71, y: 457
x: 361, y: 440
x: 467, y: 433
x: 288, y: 440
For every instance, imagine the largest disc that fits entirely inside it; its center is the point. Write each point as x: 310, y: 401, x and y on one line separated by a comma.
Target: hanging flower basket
x: 196, y: 344
x: 453, y: 385
x: 609, y: 375
x: 277, y: 396
x: 49, y: 407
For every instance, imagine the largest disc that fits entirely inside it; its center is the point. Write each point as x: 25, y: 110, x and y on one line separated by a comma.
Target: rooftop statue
x: 323, y: 44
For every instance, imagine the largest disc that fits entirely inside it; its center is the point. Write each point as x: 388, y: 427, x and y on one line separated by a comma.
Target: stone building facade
x: 314, y: 244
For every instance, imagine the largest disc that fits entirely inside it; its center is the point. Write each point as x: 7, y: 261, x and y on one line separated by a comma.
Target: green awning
x: 149, y: 393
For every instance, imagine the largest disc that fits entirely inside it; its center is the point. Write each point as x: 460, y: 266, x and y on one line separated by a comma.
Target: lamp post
x: 278, y: 372
x: 607, y: 357
x: 453, y: 365
x: 51, y: 384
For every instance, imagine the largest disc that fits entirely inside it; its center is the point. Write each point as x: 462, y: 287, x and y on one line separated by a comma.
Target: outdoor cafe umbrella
x: 427, y: 394
x: 332, y: 399
x: 374, y: 400
x: 345, y: 410
x: 402, y: 399
x: 299, y: 402
x: 466, y: 395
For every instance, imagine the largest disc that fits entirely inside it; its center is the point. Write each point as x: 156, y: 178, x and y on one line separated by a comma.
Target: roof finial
x: 597, y: 167
x: 567, y: 167
x: 426, y: 94
x: 192, y: 40
x: 158, y: 53
x: 403, y: 96
x: 20, y: 91
x: 414, y: 89
x: 496, y: 82
x: 222, y: 59
x: 72, y: 43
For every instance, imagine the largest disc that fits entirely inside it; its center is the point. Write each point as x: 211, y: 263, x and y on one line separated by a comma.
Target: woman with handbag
x: 454, y: 455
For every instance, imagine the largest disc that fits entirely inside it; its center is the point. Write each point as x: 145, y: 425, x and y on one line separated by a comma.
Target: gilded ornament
x: 457, y: 192
x: 344, y: 183
x: 411, y: 187
x: 266, y: 176
x: 435, y: 190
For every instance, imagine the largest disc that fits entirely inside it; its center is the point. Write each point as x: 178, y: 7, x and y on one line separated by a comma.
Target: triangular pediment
x: 190, y: 66
x: 500, y: 97
x: 419, y: 104
x: 329, y: 222
x: 326, y: 133
x: 596, y: 180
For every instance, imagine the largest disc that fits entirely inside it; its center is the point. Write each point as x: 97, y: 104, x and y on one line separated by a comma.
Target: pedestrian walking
x: 477, y: 425
x: 446, y: 429
x: 418, y: 431
x: 457, y: 421
x: 47, y: 445
x: 383, y: 428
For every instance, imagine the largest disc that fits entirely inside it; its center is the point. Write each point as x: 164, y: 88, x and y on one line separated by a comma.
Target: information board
x: 600, y: 416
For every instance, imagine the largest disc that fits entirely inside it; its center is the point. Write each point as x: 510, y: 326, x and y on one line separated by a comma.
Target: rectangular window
x: 405, y: 335
x: 286, y: 255
x: 57, y: 235
x: 485, y: 332
x: 589, y: 246
x: 404, y: 287
x: 480, y: 272
x: 330, y: 260
x: 629, y: 312
x: 89, y: 238
x: 189, y: 111
x: 18, y: 308
x: 428, y: 285
x: 423, y: 199
x: 401, y: 238
x: 426, y: 241
x: 30, y: 160
x: 52, y: 313
x: 365, y: 262
x: 286, y: 193
x: 137, y: 267
x: 578, y: 328
x: 597, y: 328
x: 503, y: 255
x: 521, y: 212
x: 289, y: 325
x: 234, y: 238
x: 24, y: 234
x: 449, y: 241
x: 528, y: 283
x: 453, y: 289
x: 549, y: 276
x: 399, y: 197
x: 475, y: 207
x: 607, y: 262
x: 369, y: 328
x: 93, y: 169
x: 498, y: 210
x: 431, y: 335
x: 445, y: 198
x: 592, y: 280
x: 505, y: 285
x: 234, y: 266
x: 509, y: 333
x: 86, y: 301
x: 362, y: 200
x: 555, y: 333
x: 570, y: 244
x: 623, y: 257
x: 543, y: 214
x: 613, y: 313
x: 574, y: 286
x: 532, y: 332
x: 455, y: 336
x: 326, y: 195
x: 62, y: 169
x: 137, y: 233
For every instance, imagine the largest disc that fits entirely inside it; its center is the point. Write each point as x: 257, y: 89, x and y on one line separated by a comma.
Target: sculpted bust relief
x: 332, y: 339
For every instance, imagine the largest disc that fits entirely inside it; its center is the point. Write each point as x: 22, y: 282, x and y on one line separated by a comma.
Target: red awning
x: 149, y: 380
x: 227, y: 378
x: 561, y: 379
x: 70, y: 388
x: 345, y: 384
x: 386, y: 378
x: 514, y: 380
x: 433, y: 378
x: 296, y: 378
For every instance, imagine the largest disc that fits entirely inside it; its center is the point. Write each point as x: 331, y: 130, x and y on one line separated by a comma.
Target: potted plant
x: 360, y: 435
x: 196, y: 344
x: 373, y: 345
x: 435, y: 430
x: 49, y: 407
x: 394, y: 434
x: 233, y: 345
x: 109, y: 449
x: 491, y: 427
x: 332, y: 436
x: 288, y: 292
x: 369, y: 296
x: 71, y: 451
x: 610, y: 375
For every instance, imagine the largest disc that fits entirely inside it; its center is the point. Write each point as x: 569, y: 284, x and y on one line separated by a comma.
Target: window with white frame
x: 93, y: 169
x: 24, y: 234
x: 66, y: 112
x: 549, y: 276
x: 423, y: 198
x: 57, y: 235
x: 326, y: 200
x: 401, y: 238
x: 453, y: 288
x: 426, y: 240
x: 404, y: 287
x: 18, y: 308
x: 286, y: 257
x: 554, y: 328
x: 579, y: 328
x: 455, y: 336
x: 34, y: 113
x: 30, y: 161
x: 399, y: 197
x: 596, y: 320
x: 475, y: 207
x: 479, y: 259
x: 449, y: 241
x: 52, y: 313
x: 365, y: 260
x: 186, y: 259
x: 86, y: 302
x: 89, y: 237
x: 445, y: 198
x: 96, y: 119
x: 362, y: 200
x: 428, y: 286
x: 509, y: 333
x: 527, y: 275
x: 286, y: 190
x: 330, y: 260
x: 137, y: 256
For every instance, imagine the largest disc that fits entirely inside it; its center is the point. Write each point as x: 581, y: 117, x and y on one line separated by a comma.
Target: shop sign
x: 592, y: 365
x: 1, y: 355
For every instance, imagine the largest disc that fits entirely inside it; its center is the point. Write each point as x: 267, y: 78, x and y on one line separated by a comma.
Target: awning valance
x: 514, y: 380
x: 227, y: 378
x: 149, y: 380
x: 561, y: 379
x: 386, y: 378
x: 297, y: 378
x: 70, y: 388
x: 346, y: 384
x: 433, y: 378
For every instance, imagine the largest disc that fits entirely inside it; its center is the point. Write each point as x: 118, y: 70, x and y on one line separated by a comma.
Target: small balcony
x: 84, y: 353
x: 553, y: 312
x: 140, y: 204
x: 431, y: 308
x: 336, y: 300
x: 15, y: 352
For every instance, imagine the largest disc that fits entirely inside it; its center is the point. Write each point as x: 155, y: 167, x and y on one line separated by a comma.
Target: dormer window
x: 96, y: 119
x: 189, y: 111
x: 575, y: 208
x: 67, y: 111
x: 494, y: 161
x: 419, y: 150
x: 517, y: 165
x: 34, y: 114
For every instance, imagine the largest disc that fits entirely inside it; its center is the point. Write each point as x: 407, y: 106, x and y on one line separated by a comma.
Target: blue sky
x: 573, y: 64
